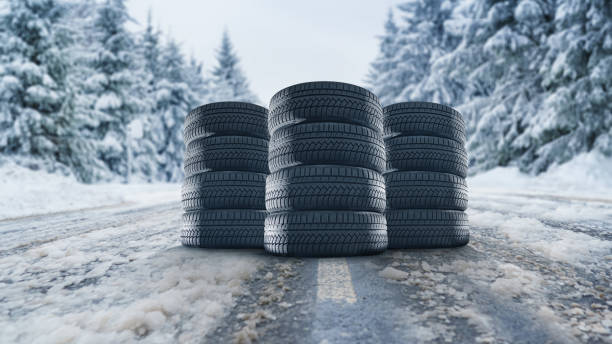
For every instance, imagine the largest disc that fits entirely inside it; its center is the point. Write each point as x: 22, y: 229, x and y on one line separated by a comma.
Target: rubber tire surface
x: 425, y: 190
x: 325, y: 233
x: 427, y: 228
x: 226, y: 118
x: 325, y: 187
x: 325, y: 102
x: 236, y: 228
x: 426, y: 153
x: 224, y: 190
x: 327, y: 143
x: 226, y: 153
x: 424, y: 119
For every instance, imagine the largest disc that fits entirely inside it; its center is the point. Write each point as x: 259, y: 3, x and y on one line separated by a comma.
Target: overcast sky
x: 279, y: 42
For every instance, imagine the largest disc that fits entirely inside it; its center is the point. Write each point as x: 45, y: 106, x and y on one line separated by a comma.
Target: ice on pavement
x: 25, y: 192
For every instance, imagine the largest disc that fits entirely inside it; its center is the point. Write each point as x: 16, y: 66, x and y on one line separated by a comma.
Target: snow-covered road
x: 537, y: 269
x: 114, y: 274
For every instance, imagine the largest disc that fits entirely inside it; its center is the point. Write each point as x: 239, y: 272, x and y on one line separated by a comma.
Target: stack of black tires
x: 226, y: 164
x: 325, y: 193
x: 425, y: 177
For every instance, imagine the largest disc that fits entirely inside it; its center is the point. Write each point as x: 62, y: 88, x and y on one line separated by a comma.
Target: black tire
x: 224, y: 190
x: 424, y: 119
x: 325, y: 187
x: 238, y: 228
x: 325, y: 233
x: 426, y: 153
x: 325, y: 101
x: 425, y: 190
x: 226, y: 153
x: 427, y: 228
x: 327, y: 143
x: 226, y: 118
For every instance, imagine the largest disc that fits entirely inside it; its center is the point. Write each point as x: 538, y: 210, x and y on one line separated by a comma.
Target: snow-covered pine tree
x: 537, y: 87
x: 229, y: 82
x: 115, y: 84
x: 198, y: 84
x: 173, y: 87
x: 407, y: 51
x: 151, y: 49
x: 78, y: 92
x: 173, y: 99
x: 146, y: 131
x: 33, y: 72
x: 383, y: 77
x: 576, y: 78
x: 424, y: 41
x: 82, y: 140
x: 492, y: 74
x: 531, y: 77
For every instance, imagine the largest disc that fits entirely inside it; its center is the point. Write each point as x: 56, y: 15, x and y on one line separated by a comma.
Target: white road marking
x: 334, y: 281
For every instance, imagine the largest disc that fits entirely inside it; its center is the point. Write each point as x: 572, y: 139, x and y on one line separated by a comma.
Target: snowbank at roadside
x: 562, y: 214
x: 25, y: 192
x: 588, y: 175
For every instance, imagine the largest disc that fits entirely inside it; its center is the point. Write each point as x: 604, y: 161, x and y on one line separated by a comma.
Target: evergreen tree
x: 33, y: 73
x: 576, y: 76
x: 510, y: 45
x: 382, y: 76
x: 198, y: 84
x: 151, y: 49
x: 80, y: 93
x: 146, y: 130
x: 115, y: 85
x: 82, y: 141
x: 229, y: 82
x: 531, y: 77
x: 173, y: 99
x: 173, y: 88
x: 424, y: 41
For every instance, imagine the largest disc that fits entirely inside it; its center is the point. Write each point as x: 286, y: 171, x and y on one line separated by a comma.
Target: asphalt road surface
x: 536, y: 274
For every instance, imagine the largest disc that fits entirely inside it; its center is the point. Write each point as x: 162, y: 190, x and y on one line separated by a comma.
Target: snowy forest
x: 533, y: 78
x: 81, y: 94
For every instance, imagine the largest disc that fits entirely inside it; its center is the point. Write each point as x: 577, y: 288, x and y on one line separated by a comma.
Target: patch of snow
x: 25, y: 192
x: 248, y: 334
x: 515, y: 281
x: 481, y: 322
x: 112, y: 144
x: 108, y: 101
x: 174, y: 294
x: 392, y: 273
x: 136, y: 129
x: 528, y: 12
x: 587, y: 175
x: 553, y: 243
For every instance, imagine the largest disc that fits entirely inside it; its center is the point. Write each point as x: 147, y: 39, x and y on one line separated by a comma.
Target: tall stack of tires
x: 425, y: 177
x: 325, y: 193
x: 226, y: 164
